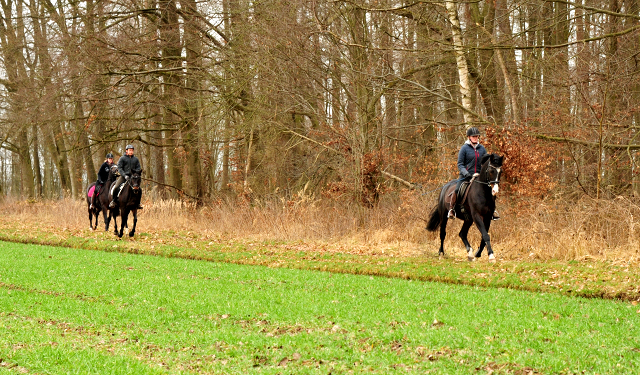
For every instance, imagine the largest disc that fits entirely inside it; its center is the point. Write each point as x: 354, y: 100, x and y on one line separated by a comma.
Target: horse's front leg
x: 135, y: 221
x: 115, y: 223
x: 483, y: 226
x: 106, y: 216
x: 464, y: 231
x: 123, y: 220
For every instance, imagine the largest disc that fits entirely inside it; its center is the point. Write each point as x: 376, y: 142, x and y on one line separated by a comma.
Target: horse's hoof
x: 471, y: 259
x: 131, y: 234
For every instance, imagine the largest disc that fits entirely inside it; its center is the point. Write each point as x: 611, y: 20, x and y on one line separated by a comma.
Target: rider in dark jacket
x: 469, y: 158
x: 103, y: 174
x: 127, y: 165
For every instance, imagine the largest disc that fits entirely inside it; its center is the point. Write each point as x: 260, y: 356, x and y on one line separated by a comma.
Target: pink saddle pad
x: 90, y: 194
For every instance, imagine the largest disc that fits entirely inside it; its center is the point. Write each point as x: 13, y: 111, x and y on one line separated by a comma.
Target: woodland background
x: 277, y: 98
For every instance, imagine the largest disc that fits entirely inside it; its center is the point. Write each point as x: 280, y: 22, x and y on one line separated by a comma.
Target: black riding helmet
x: 109, y: 156
x: 473, y: 131
x: 128, y: 147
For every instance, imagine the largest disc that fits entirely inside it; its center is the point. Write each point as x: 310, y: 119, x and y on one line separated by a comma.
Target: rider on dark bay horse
x: 469, y: 158
x: 103, y: 174
x: 127, y: 165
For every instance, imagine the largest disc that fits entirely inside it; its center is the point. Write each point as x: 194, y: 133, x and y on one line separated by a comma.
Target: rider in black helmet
x: 469, y: 158
x: 127, y: 165
x: 103, y: 174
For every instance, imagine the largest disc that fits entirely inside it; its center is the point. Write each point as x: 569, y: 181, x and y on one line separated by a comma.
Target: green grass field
x: 90, y: 312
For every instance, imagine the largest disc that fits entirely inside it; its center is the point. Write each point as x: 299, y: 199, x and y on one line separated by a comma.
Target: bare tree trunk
x: 171, y: 58
x: 26, y: 166
x: 247, y: 166
x: 461, y: 61
x: 191, y: 103
x: 37, y: 170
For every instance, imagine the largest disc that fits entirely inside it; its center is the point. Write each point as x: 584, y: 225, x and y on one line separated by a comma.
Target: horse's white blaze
x: 495, y: 189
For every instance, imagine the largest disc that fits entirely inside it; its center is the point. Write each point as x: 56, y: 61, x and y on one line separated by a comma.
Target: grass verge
x: 610, y: 279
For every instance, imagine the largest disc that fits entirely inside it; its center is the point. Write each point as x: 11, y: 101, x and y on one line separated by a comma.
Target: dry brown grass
x: 542, y: 230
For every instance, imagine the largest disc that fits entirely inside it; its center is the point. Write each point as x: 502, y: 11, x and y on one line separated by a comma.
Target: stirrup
x: 112, y: 204
x: 140, y: 207
x: 452, y: 214
x: 495, y: 216
x: 91, y: 206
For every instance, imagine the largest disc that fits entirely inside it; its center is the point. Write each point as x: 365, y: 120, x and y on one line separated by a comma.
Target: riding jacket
x: 469, y: 159
x: 127, y: 165
x: 103, y: 173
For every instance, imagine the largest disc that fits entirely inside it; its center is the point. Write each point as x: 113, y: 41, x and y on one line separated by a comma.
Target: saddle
x: 461, y: 196
x: 462, y: 192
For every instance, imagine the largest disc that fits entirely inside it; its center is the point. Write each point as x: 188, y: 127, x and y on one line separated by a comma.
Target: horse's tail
x: 434, y: 220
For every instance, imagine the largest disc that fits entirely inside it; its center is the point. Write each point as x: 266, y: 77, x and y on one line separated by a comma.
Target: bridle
x: 135, y: 190
x: 494, y: 182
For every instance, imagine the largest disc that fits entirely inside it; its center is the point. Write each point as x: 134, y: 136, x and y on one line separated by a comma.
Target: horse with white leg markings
x: 475, y: 207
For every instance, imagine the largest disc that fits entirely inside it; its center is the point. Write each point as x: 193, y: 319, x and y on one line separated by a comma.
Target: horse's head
x: 135, y: 179
x: 491, y: 171
x: 112, y: 172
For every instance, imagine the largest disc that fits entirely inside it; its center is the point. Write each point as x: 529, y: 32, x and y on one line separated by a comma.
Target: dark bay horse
x: 127, y: 202
x: 478, y: 205
x: 102, y: 201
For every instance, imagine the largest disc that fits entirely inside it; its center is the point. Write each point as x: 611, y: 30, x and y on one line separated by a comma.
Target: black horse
x: 478, y: 206
x: 102, y: 201
x: 128, y: 201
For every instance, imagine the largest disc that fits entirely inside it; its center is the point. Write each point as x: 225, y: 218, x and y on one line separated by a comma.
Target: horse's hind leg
x: 95, y: 226
x: 135, y: 221
x: 464, y: 231
x: 443, y: 231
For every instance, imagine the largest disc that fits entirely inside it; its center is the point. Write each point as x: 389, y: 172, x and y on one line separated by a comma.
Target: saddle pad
x: 91, y: 191
x: 113, y: 188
